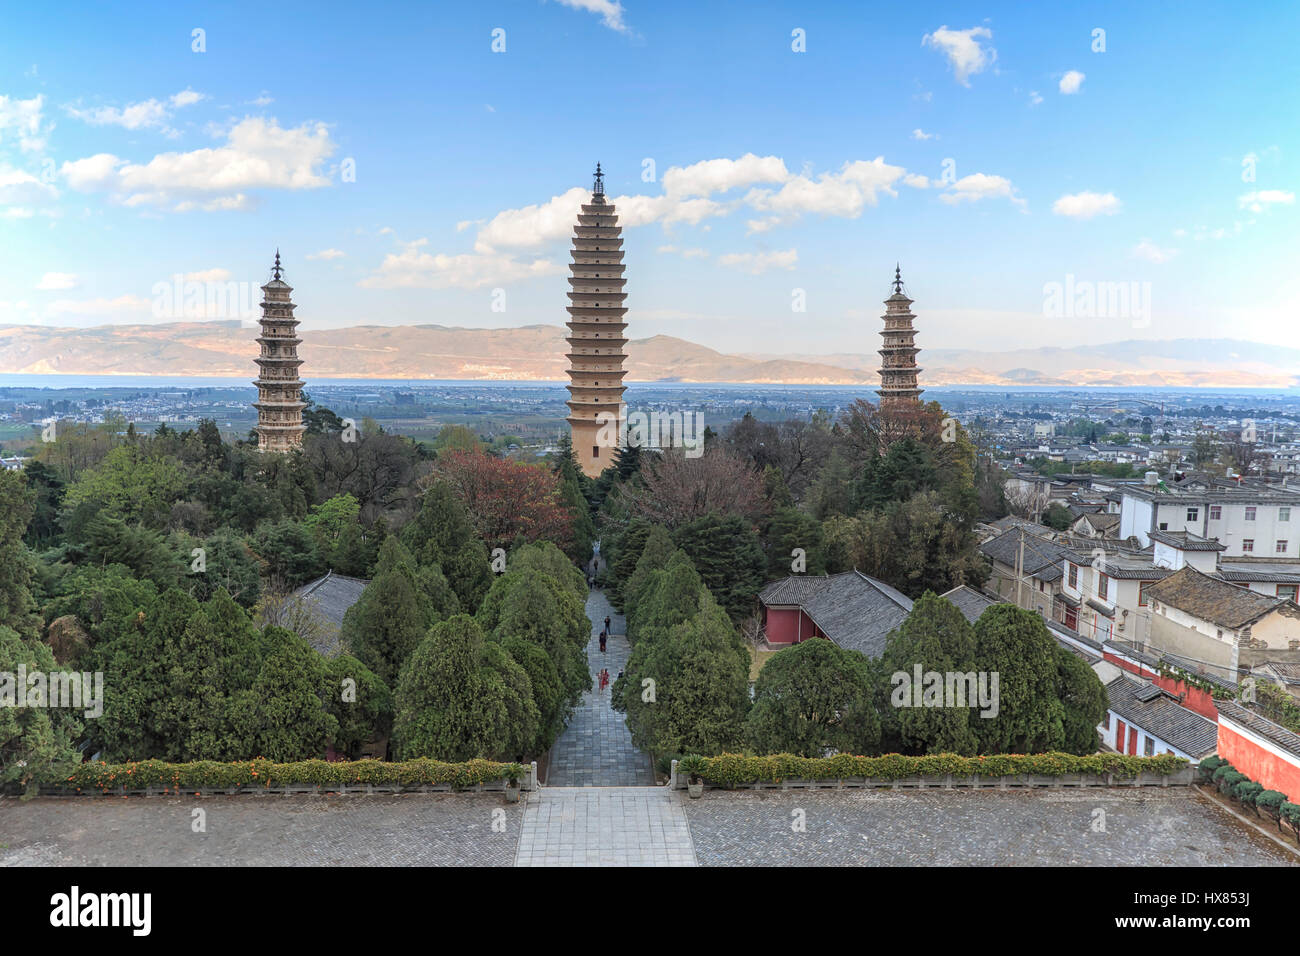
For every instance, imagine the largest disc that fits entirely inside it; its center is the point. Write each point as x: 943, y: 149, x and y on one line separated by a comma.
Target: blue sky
x: 957, y: 139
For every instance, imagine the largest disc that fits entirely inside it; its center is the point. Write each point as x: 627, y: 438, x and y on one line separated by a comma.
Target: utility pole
x: 1020, y: 565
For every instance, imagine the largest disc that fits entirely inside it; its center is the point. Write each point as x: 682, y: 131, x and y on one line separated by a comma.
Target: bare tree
x: 679, y: 489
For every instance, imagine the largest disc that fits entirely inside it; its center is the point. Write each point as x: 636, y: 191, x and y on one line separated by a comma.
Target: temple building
x: 596, y: 333
x: 279, y: 390
x: 898, y: 369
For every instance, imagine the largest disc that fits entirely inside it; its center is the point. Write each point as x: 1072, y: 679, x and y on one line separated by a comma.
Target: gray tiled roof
x: 1186, y: 541
x: 329, y: 599
x: 853, y: 610
x: 1042, y: 557
x: 1163, y: 717
x: 970, y: 602
x: 1211, y: 599
x: 1261, y: 725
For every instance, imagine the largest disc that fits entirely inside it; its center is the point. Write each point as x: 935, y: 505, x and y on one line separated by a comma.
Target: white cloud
x: 611, y: 11
x: 52, y: 281
x: 19, y: 188
x: 979, y: 186
x: 758, y: 262
x: 916, y: 181
x: 1257, y: 200
x: 534, y: 225
x: 412, y: 268
x: 327, y: 254
x: 922, y: 135
x: 962, y: 47
x: 720, y: 175
x: 1148, y: 250
x: 1071, y: 82
x: 1035, y: 98
x: 845, y: 193
x: 263, y: 99
x: 25, y: 118
x: 147, y: 114
x: 258, y: 154
x: 1085, y: 205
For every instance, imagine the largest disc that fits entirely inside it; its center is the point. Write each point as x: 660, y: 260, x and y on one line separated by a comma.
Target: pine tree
x: 441, y: 534
x: 392, y: 615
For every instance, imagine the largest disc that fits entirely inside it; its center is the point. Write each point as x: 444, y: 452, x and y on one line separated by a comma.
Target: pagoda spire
x: 898, y: 371
x: 279, y: 389
x: 597, y: 333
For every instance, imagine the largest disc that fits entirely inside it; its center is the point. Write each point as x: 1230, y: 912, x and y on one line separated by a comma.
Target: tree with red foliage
x: 507, y: 499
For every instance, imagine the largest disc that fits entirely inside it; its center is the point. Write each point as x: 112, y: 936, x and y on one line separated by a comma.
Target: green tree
x: 36, y: 743
x: 391, y: 617
x: 360, y: 702
x: 450, y: 706
x: 286, y: 716
x: 1014, y: 644
x: 788, y: 529
x: 937, y: 637
x: 729, y: 558
x: 813, y: 698
x: 1057, y: 516
x: 1085, y: 700
x: 698, y: 691
x: 442, y: 534
x: 17, y: 606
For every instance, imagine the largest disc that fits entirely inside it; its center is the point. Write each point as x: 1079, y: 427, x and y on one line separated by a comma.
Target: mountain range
x: 536, y: 352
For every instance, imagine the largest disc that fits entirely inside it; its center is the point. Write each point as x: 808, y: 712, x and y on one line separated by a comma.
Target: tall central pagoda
x: 596, y: 333
x: 279, y: 390
x: 898, y: 369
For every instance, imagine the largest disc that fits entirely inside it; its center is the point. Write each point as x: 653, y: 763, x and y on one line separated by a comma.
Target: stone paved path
x: 596, y: 749
x: 605, y: 826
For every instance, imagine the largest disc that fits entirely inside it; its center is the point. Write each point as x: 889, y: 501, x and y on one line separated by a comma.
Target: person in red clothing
x: 603, y: 637
x: 604, y: 679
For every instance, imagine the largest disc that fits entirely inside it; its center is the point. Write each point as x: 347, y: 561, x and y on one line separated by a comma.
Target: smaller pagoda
x: 898, y: 369
x: 279, y: 389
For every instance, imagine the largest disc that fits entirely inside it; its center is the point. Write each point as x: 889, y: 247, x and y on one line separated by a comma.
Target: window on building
x: 1280, y: 548
x: 1074, y: 575
x: 1164, y: 526
x: 1287, y: 591
x: 1283, y: 514
x: 1142, y: 593
x: 1149, y: 748
x: 1247, y: 545
x: 595, y: 451
x: 1216, y: 512
x: 1105, y: 721
x: 1103, y: 585
x: 1250, y: 513
x: 1193, y: 514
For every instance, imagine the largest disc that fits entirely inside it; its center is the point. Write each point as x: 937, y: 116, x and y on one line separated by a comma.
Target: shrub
x: 1207, y: 767
x: 260, y: 773
x: 1291, y: 816
x: 1246, y: 791
x: 1270, y: 802
x: 1229, y: 781
x: 731, y: 770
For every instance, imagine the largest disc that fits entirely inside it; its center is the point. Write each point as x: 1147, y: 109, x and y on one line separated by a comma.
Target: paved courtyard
x: 433, y: 829
x: 596, y: 749
x: 605, y: 826
x: 1145, y: 827
x: 612, y: 826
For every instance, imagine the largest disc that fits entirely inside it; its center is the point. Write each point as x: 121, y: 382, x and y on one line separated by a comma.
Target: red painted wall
x: 1194, y: 698
x: 788, y: 625
x: 1258, y: 764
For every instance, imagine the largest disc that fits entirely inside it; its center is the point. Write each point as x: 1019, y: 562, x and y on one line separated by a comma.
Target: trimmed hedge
x: 261, y: 774
x: 733, y: 769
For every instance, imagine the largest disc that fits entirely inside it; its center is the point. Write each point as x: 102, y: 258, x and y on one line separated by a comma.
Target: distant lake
x: 16, y: 380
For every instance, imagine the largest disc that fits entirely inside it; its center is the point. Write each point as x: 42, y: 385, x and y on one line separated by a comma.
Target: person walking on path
x: 607, y: 630
x: 604, y: 679
x: 602, y: 642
